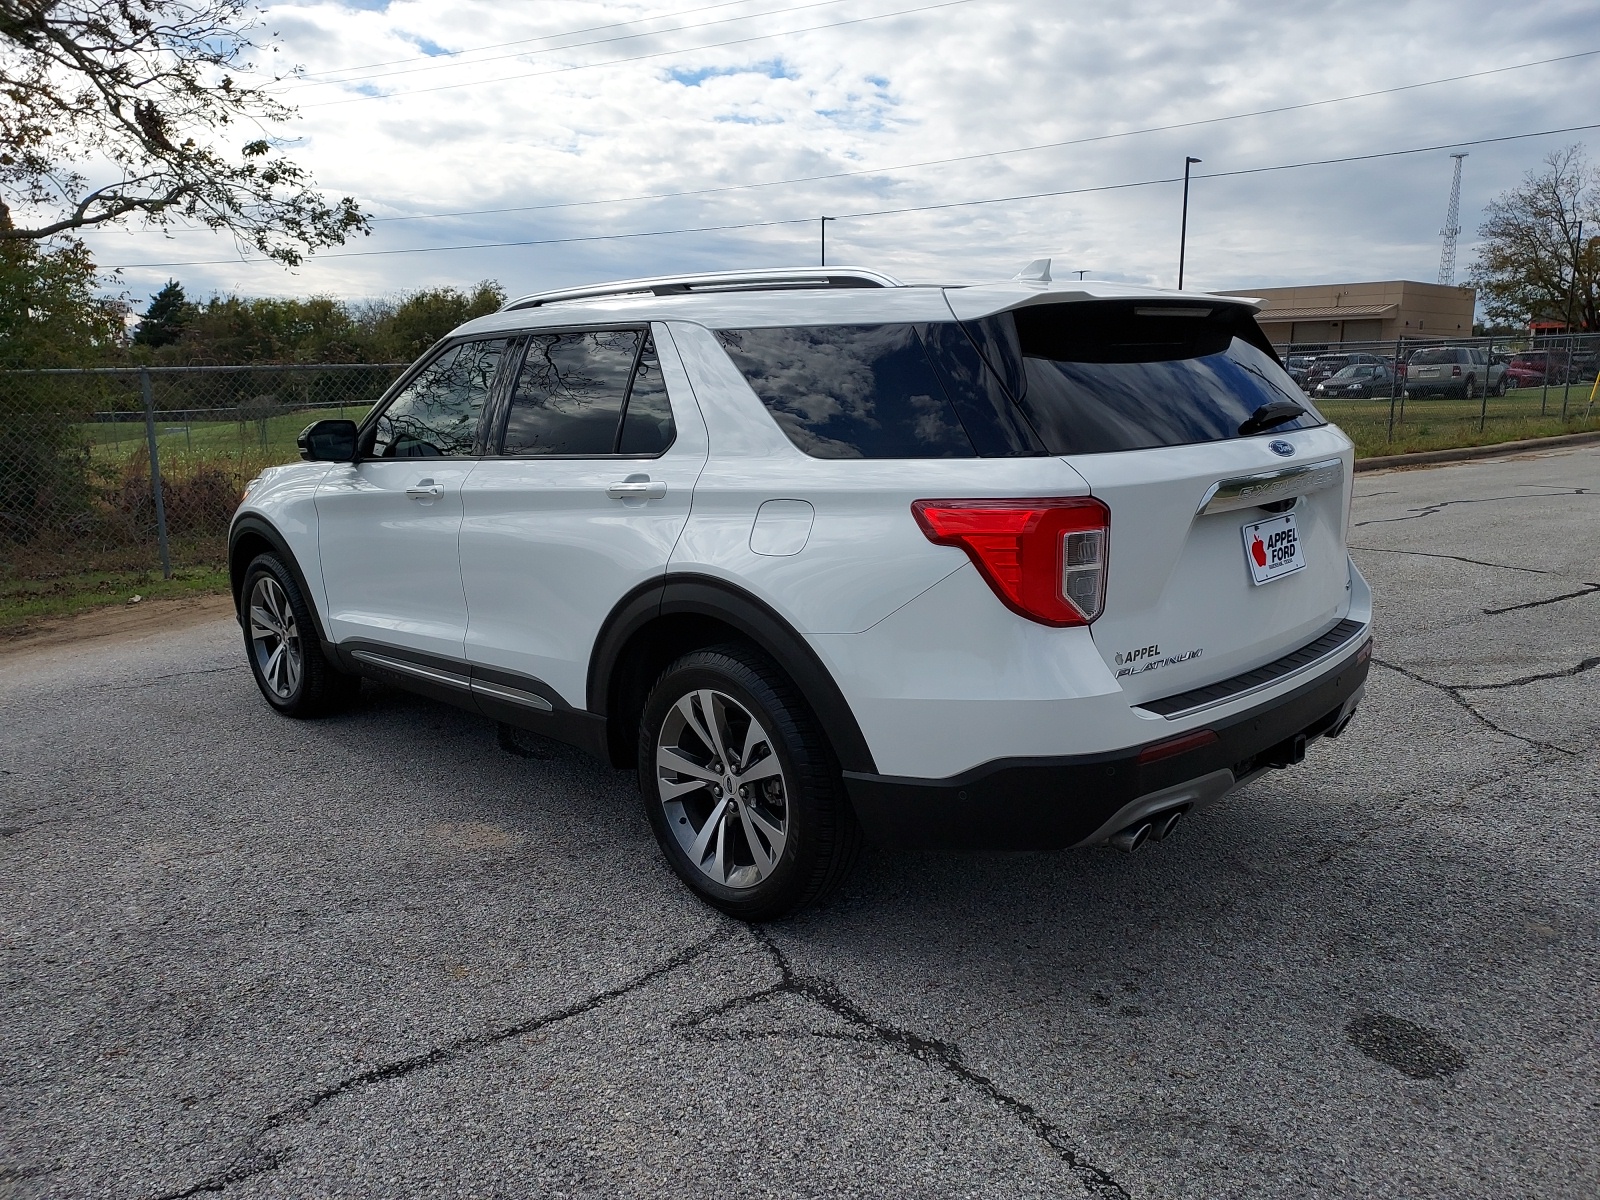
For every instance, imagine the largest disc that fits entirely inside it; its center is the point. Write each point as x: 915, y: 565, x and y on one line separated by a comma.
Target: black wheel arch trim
x: 707, y: 596
x: 254, y: 524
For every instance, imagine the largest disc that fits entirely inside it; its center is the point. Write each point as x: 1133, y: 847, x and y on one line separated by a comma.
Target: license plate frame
x: 1279, y: 546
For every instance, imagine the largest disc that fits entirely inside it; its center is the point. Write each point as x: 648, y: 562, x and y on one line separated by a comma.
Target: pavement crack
x: 1429, y: 510
x: 930, y: 1051
x: 1477, y: 562
x: 1455, y: 694
x: 1587, y: 589
x: 252, y: 1162
x: 1587, y: 664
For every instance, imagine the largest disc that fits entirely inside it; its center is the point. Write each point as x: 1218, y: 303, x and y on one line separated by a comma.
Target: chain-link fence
x: 1405, y: 395
x: 130, y: 469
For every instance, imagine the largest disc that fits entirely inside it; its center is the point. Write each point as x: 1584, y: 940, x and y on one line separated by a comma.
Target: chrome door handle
x: 425, y: 491
x: 637, y: 489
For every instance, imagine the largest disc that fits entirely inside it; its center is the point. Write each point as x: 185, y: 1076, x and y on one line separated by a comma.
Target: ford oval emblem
x: 1283, y: 449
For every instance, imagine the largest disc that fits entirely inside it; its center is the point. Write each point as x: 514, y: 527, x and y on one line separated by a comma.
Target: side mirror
x: 328, y: 441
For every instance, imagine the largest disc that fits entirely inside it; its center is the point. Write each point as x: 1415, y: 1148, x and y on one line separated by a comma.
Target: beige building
x: 1330, y: 313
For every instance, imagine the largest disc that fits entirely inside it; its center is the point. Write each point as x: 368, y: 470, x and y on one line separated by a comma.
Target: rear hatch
x: 1180, y: 418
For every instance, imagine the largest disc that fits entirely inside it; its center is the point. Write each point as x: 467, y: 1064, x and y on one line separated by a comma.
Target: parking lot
x: 396, y: 953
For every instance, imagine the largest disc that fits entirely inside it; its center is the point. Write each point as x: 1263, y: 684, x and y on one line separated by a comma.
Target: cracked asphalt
x: 400, y: 953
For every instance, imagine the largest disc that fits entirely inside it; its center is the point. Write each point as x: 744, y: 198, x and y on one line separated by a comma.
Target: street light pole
x: 824, y: 223
x: 1183, y: 229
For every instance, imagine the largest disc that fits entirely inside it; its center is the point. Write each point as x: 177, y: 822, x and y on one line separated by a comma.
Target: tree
x: 50, y: 315
x: 167, y: 317
x: 108, y: 109
x: 1533, y: 261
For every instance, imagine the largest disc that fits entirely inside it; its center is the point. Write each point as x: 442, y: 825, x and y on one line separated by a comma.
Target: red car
x: 1530, y: 368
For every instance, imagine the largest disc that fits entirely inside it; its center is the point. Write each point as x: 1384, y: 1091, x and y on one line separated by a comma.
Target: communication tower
x: 1452, y: 228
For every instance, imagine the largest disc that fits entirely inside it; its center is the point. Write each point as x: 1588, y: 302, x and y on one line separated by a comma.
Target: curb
x: 1466, y: 453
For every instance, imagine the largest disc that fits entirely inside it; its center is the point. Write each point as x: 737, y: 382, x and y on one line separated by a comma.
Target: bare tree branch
x: 138, y: 90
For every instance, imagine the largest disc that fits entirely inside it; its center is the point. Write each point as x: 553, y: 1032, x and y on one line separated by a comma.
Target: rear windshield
x: 1123, y: 375
x: 1428, y: 358
x: 1078, y: 378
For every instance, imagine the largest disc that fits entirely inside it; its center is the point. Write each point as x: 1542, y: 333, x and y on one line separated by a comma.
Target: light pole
x: 1183, y: 228
x: 824, y: 223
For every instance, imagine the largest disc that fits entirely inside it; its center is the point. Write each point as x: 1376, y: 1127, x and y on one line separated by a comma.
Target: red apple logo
x: 1258, y: 550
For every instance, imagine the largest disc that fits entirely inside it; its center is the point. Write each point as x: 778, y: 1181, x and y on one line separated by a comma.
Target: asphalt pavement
x: 394, y: 954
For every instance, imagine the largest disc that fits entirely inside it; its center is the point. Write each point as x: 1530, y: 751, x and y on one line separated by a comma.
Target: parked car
x: 1531, y: 368
x: 1297, y: 366
x: 823, y: 558
x: 1454, y: 371
x: 1361, y: 379
x: 1326, y: 366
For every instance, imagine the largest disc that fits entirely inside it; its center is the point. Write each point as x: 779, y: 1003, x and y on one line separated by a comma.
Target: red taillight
x: 1045, y: 559
x: 1174, y: 746
x: 1455, y: 371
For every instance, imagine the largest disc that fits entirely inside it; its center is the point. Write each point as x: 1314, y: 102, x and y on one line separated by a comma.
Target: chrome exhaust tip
x: 1131, y: 838
x: 1164, y: 824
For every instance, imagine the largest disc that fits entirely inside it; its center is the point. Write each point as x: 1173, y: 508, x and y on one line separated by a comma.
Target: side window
x: 850, y: 391
x: 647, y: 426
x: 437, y: 415
x: 597, y: 392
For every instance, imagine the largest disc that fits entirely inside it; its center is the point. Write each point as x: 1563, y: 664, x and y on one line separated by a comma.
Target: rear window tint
x: 1428, y: 358
x: 1127, y: 375
x: 850, y: 391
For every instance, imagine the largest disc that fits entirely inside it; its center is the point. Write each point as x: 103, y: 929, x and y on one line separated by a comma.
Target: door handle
x: 426, y: 490
x: 637, y: 489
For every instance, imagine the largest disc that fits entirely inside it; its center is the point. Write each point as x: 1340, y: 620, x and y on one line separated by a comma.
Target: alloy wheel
x: 722, y: 788
x: 275, y: 638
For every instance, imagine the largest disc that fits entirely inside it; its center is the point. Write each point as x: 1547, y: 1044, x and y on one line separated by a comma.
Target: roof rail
x: 780, y: 279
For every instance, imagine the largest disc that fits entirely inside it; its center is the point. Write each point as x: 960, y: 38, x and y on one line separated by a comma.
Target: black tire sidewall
x: 797, y: 747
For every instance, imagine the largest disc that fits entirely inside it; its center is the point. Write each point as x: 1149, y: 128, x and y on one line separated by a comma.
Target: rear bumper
x: 1053, y: 803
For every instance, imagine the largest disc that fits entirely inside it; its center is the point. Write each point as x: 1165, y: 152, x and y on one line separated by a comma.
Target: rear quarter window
x: 850, y: 391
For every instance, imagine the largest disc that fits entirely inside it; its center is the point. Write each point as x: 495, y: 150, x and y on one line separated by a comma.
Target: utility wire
x: 760, y: 37
x: 961, y: 158
x: 885, y: 212
x: 431, y: 63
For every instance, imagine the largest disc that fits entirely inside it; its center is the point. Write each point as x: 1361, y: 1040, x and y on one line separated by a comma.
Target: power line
x: 432, y: 63
x: 940, y: 162
x: 761, y: 37
x: 884, y: 212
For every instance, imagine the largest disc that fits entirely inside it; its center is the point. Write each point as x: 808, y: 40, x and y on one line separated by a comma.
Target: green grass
x: 1441, y: 423
x: 26, y: 602
x: 194, y: 442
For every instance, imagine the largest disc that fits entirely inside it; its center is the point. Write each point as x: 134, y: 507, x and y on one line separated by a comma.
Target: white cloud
x: 529, y: 125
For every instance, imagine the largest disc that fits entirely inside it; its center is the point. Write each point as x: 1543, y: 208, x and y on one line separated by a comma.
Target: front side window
x: 437, y: 414
x: 589, y: 392
x: 850, y: 391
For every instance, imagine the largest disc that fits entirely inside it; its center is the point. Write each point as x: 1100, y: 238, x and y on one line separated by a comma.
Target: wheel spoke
x: 775, y: 836
x: 702, y: 840
x: 768, y: 768
x: 758, y: 850
x: 291, y: 662
x: 672, y: 790
x: 753, y: 737
x: 262, y: 623
x: 270, y: 668
x: 669, y: 758
x: 717, y: 720
x: 720, y: 864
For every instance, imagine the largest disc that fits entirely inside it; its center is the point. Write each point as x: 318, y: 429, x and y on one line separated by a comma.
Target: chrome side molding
x: 512, y: 695
x: 1250, y: 491
x: 498, y: 691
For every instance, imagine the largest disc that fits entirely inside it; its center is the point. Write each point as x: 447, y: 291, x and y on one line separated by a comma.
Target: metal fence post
x: 1488, y: 373
x: 155, y: 470
x: 1566, y: 386
x: 1394, y: 387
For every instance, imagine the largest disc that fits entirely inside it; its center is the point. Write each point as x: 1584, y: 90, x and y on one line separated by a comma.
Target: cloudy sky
x: 470, y: 124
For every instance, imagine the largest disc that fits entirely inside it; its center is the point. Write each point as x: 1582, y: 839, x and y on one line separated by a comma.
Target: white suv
x: 822, y: 556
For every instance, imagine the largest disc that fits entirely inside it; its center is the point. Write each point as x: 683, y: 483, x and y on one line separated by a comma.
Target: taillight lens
x: 1455, y: 372
x: 1045, y: 559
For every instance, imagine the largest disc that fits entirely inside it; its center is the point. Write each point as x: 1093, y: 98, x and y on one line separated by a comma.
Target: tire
x: 775, y: 832
x: 1504, y: 387
x: 1469, y: 389
x: 281, y: 643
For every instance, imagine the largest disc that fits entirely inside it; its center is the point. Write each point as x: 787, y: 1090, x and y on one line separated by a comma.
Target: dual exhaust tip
x: 1150, y: 829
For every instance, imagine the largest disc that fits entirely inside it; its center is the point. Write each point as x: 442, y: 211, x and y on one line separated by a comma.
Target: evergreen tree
x: 167, y: 317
